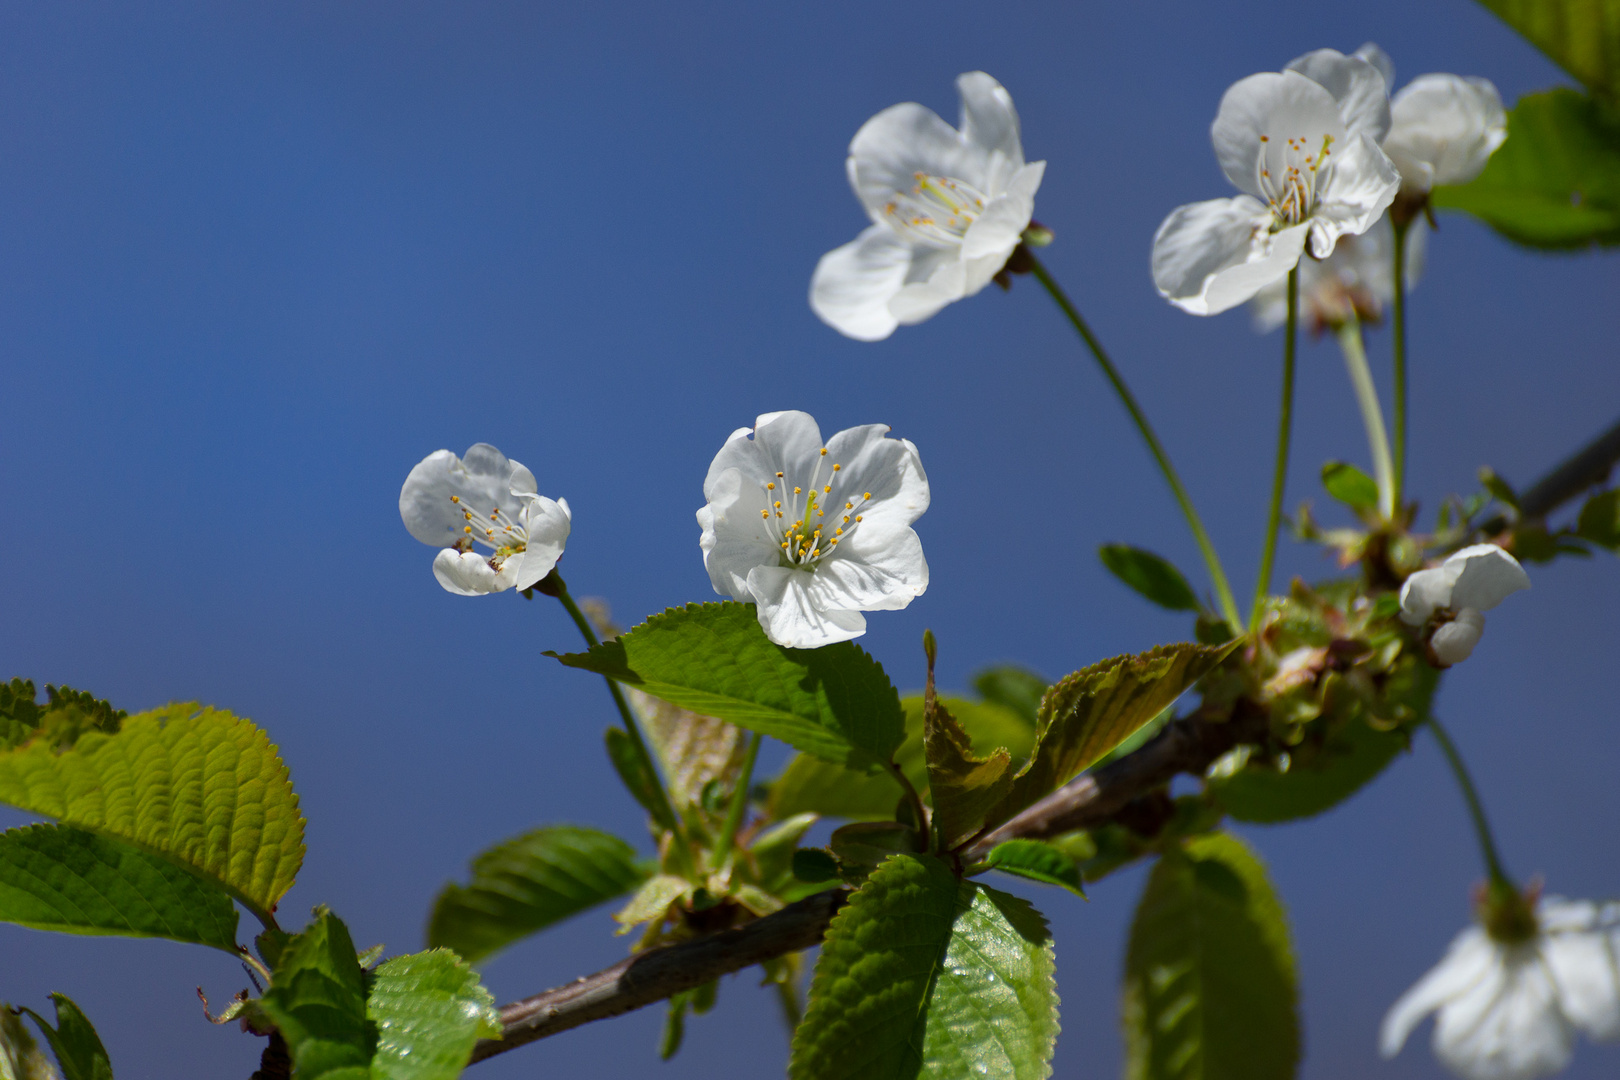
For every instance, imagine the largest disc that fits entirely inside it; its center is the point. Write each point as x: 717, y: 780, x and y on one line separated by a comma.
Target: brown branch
x: 1588, y: 467
x: 658, y: 973
x: 1188, y: 746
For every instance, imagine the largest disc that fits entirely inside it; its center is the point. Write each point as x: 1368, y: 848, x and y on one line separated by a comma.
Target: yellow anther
x: 838, y: 532
x: 771, y: 486
x: 764, y: 513
x: 836, y: 466
x: 827, y: 490
x: 846, y: 519
x: 466, y: 529
x: 779, y: 504
x: 857, y: 517
x: 779, y: 476
x: 455, y: 498
x: 849, y: 506
x: 823, y: 451
x: 798, y: 491
x: 868, y: 495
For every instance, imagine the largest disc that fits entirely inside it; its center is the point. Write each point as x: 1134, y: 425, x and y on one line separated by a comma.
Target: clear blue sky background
x: 258, y: 260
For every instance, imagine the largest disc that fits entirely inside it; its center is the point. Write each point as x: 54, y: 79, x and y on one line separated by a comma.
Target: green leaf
x: 66, y: 714
x: 834, y: 702
x: 814, y: 865
x: 695, y: 750
x: 1091, y: 711
x: 1327, y: 769
x: 1209, y: 975
x: 1015, y: 689
x: 1150, y: 575
x: 74, y: 1041
x: 1600, y: 519
x: 1350, y: 485
x: 429, y: 1009
x: 923, y: 974
x: 20, y: 1056
x: 1038, y: 861
x: 1580, y: 36
x: 1555, y: 183
x: 964, y: 786
x: 197, y: 786
x: 318, y: 1001
x: 637, y: 777
x: 53, y: 877
x: 529, y: 882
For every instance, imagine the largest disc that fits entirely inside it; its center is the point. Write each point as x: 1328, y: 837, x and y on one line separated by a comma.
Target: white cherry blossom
x: 813, y: 532
x: 482, y: 500
x: 1511, y: 1010
x: 948, y: 206
x: 1357, y: 279
x: 1444, y: 130
x: 1311, y: 171
x: 1454, y: 594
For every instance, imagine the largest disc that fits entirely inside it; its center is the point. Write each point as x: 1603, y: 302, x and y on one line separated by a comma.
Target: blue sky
x: 257, y: 261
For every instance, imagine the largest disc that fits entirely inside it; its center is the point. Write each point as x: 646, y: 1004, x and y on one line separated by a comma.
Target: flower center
x: 806, y: 520
x: 496, y: 531
x: 936, y: 212
x: 1289, y: 176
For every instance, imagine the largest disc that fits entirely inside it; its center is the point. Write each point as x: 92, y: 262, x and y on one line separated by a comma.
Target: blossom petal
x: 735, y: 538
x: 1260, y: 113
x: 467, y: 573
x: 872, y: 577
x: 483, y: 475
x: 1454, y: 642
x: 789, y: 616
x: 1360, y: 187
x: 1465, y: 963
x: 1380, y: 60
x: 922, y: 300
x: 1586, y: 969
x: 989, y: 120
x: 1507, y: 1025
x: 901, y: 141
x: 548, y: 524
x: 1356, y: 84
x: 1426, y: 591
x: 1444, y: 129
x: 1000, y: 228
x: 1211, y: 256
x: 1487, y: 576
x: 852, y: 286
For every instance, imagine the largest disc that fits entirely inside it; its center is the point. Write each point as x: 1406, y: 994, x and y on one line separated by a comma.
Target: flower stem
x: 1372, y: 413
x: 555, y: 581
x: 1279, y: 476
x: 739, y: 802
x: 1476, y: 810
x: 1399, y: 333
x: 1223, y: 591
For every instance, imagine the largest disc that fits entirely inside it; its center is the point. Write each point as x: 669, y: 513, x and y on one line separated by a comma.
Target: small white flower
x: 1308, y: 162
x: 948, y: 207
x: 1510, y: 1011
x: 483, y: 500
x: 1445, y: 129
x: 1471, y: 581
x: 814, y: 533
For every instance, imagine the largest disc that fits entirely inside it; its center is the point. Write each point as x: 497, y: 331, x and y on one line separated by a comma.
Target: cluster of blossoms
x: 813, y: 533
x: 1331, y: 170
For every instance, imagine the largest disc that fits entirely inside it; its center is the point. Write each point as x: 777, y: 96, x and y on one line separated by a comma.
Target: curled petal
x: 1487, y: 576
x: 1211, y: 256
x: 1585, y: 967
x: 1444, y: 130
x: 1469, y: 959
x: 989, y: 120
x: 467, y: 573
x: 548, y: 524
x: 1427, y: 591
x: 1001, y: 226
x: 1356, y: 84
x: 1507, y: 1025
x: 1380, y: 60
x: 788, y: 613
x: 1454, y: 642
x: 852, y: 286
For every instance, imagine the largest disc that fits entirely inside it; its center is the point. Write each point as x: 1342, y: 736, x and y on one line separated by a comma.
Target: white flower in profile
x: 1357, y: 279
x: 813, y: 532
x: 1453, y: 595
x: 1308, y: 162
x: 483, y: 500
x: 1444, y: 130
x: 948, y: 207
x: 1510, y: 1009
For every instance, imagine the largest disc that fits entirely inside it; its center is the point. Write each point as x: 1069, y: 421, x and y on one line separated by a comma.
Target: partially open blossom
x: 1451, y: 597
x: 1444, y: 130
x: 948, y: 206
x: 1510, y: 1009
x: 813, y: 532
x: 497, y: 532
x: 1308, y: 162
